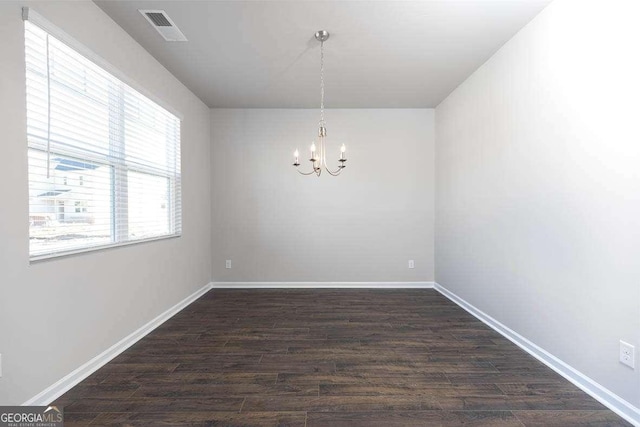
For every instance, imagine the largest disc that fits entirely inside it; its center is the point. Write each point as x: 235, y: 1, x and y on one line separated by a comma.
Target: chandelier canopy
x: 318, y: 153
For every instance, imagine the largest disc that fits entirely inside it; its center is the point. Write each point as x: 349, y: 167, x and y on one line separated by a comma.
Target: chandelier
x: 319, y: 153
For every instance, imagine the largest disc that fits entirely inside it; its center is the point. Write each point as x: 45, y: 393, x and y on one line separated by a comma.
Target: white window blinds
x: 104, y: 160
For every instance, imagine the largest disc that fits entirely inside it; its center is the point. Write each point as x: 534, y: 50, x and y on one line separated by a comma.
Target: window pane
x: 72, y: 208
x: 151, y: 134
x: 77, y: 121
x: 148, y: 205
x: 145, y: 144
x: 68, y: 97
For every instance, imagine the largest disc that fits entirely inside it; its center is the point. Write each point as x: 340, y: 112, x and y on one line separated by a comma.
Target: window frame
x: 121, y: 166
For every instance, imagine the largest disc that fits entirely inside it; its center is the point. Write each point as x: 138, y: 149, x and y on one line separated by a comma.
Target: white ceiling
x: 262, y: 54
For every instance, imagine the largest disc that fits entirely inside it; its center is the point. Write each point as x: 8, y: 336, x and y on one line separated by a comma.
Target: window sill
x: 46, y: 257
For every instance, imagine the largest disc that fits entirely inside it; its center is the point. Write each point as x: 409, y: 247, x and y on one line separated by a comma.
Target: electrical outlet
x: 411, y: 264
x: 627, y: 354
x: 228, y: 264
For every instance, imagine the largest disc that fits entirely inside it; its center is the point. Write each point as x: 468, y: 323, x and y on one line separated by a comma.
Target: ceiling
x: 262, y: 54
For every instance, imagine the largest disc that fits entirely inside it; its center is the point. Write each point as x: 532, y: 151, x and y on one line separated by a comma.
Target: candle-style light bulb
x: 295, y: 154
x: 342, y: 150
x: 313, y: 151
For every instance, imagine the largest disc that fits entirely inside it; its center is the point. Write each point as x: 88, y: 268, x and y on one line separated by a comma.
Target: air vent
x: 158, y: 19
x: 164, y: 25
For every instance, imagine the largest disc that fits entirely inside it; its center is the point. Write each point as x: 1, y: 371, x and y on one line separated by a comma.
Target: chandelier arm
x: 334, y: 173
x: 306, y: 173
x: 314, y: 169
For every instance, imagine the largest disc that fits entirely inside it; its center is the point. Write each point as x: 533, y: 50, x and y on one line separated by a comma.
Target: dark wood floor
x: 328, y: 358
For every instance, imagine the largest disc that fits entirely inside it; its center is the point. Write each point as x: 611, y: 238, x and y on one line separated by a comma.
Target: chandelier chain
x: 322, y: 122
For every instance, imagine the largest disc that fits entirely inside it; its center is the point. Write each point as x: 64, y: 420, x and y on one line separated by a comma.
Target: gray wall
x: 57, y: 315
x: 538, y: 187
x: 277, y: 225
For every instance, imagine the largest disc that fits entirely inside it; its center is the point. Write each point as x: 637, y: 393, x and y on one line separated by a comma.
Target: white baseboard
x: 56, y: 390
x: 603, y: 395
x: 322, y: 285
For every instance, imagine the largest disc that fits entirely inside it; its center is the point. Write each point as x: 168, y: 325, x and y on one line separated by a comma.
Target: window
x: 104, y: 160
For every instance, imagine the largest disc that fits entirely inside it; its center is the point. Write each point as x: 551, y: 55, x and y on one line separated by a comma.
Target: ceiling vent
x: 163, y: 24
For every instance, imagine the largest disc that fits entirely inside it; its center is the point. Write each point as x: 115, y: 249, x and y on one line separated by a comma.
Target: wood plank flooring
x: 328, y: 358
